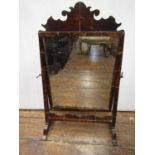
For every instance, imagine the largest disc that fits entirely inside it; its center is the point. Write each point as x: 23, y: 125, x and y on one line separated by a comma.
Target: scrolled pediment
x: 81, y: 18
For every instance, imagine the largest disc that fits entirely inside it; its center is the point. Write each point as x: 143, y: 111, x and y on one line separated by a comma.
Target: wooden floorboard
x: 70, y: 138
x: 85, y: 81
x: 30, y: 147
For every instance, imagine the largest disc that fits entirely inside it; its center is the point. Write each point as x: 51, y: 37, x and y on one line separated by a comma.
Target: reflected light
x: 95, y: 53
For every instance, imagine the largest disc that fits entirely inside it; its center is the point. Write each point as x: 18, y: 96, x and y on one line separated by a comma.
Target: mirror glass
x: 80, y: 70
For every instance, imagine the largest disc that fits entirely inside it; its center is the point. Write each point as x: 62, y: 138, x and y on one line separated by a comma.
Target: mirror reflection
x: 80, y: 70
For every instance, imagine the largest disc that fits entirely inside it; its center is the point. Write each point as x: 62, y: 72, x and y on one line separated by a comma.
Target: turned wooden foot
x: 114, y: 137
x: 45, y: 131
x: 44, y: 137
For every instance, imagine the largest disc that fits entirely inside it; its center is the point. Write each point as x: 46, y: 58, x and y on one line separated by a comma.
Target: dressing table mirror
x: 81, y: 68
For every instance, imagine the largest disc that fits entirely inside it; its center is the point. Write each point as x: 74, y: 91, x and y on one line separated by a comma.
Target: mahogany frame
x: 80, y: 21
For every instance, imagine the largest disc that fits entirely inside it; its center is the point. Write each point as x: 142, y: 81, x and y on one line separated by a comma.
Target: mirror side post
x: 118, y: 65
x: 45, y: 88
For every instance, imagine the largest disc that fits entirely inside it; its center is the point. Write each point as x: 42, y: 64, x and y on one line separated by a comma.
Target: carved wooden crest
x: 80, y: 18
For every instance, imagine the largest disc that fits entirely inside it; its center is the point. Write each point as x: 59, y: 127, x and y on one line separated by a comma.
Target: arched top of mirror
x: 80, y: 18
